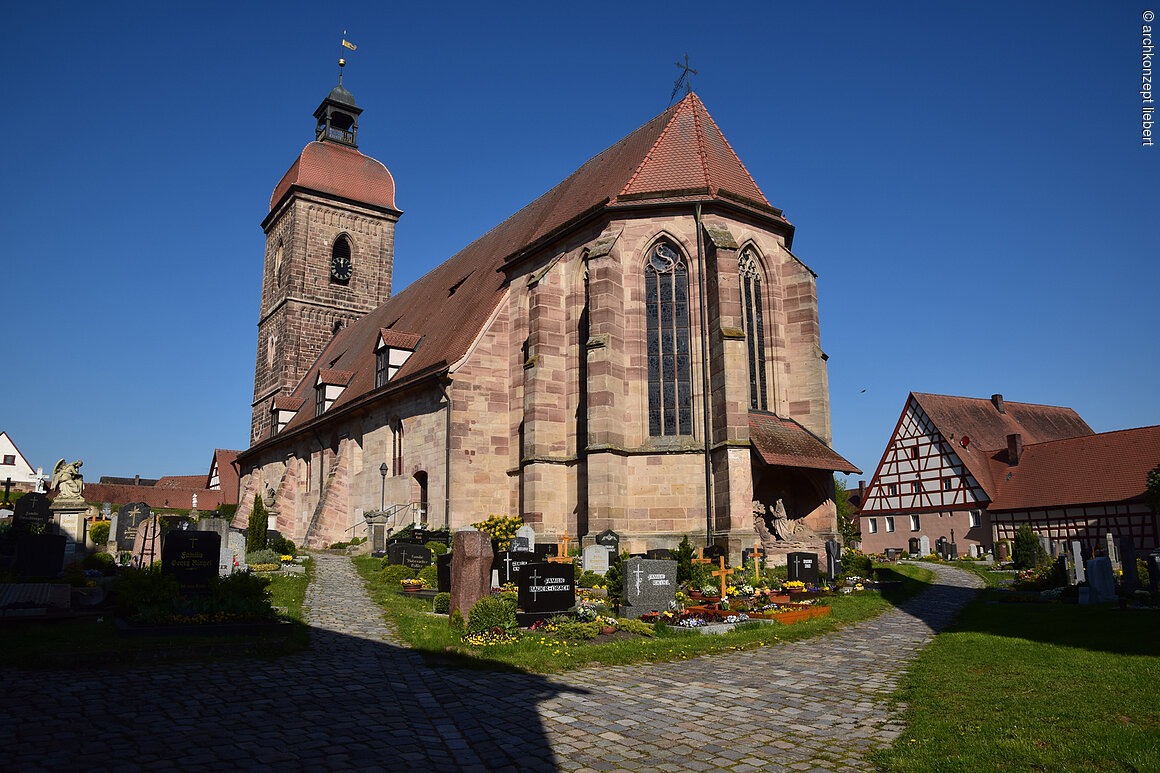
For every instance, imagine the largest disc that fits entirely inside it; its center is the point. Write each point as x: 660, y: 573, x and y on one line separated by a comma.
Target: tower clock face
x: 341, y: 268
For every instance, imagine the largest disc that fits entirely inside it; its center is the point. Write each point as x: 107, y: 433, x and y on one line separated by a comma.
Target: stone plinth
x: 69, y: 515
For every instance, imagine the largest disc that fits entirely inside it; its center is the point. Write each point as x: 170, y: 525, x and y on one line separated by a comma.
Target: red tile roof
x: 334, y: 377
x: 180, y: 481
x: 227, y: 475
x: 786, y: 443
x: 339, y: 171
x: 979, y: 420
x: 450, y: 304
x: 398, y: 340
x: 287, y: 403
x: 1108, y: 467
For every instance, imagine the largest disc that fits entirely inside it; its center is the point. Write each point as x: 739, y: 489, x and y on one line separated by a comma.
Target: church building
x: 638, y: 349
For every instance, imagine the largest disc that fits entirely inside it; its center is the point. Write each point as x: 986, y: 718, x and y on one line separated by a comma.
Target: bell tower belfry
x: 330, y: 244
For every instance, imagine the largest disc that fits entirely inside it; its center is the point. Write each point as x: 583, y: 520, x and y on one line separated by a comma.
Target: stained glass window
x: 670, y: 381
x: 754, y: 322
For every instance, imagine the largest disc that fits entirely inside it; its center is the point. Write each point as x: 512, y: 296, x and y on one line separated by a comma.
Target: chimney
x: 862, y: 490
x: 136, y: 480
x: 1014, y: 448
x: 998, y: 401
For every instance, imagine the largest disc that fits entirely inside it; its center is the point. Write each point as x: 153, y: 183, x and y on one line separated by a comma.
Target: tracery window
x: 750, y: 275
x: 396, y: 447
x: 670, y: 381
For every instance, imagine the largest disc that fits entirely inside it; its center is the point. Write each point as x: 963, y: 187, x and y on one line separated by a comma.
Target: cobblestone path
x: 358, y: 701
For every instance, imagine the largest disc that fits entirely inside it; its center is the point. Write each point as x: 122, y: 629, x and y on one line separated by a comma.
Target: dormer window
x: 282, y: 410
x: 391, y: 352
x: 328, y: 387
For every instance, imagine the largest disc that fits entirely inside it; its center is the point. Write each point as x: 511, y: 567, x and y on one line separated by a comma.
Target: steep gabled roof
x: 786, y: 443
x: 980, y: 420
x: 680, y: 154
x: 1108, y: 467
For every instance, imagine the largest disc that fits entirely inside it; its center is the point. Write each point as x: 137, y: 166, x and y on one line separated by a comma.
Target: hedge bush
x: 265, y: 556
x: 590, y: 579
x: 283, y: 547
x: 858, y: 565
x: 99, y: 532
x: 257, y: 526
x: 441, y: 604
x: 430, y: 576
x: 436, y: 548
x: 103, y: 561
x: 394, y: 573
x: 490, y: 612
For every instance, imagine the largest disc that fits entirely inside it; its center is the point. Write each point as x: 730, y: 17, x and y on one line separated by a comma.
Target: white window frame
x: 872, y: 525
x: 889, y: 523
x: 976, y: 518
x: 914, y: 523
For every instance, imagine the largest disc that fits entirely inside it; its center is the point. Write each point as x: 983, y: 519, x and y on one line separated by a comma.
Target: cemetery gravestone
x: 1154, y: 572
x: 609, y: 539
x: 419, y: 536
x: 519, y: 544
x: 192, y: 558
x: 1077, y: 562
x: 39, y: 556
x: 409, y: 555
x: 378, y: 538
x: 1002, y: 551
x: 1113, y: 554
x: 833, y: 558
x: 31, y: 510
x: 147, y: 543
x: 1101, y: 583
x: 596, y: 559
x: 658, y: 554
x: 713, y: 552
x: 546, y: 589
x: 528, y: 534
x: 914, y: 546
x: 127, y: 521
x: 545, y: 549
x: 470, y: 570
x: 649, y: 585
x: 802, y: 567
x: 511, y: 563
x: 1131, y: 577
x: 443, y: 566
x: 236, y: 549
x: 924, y: 545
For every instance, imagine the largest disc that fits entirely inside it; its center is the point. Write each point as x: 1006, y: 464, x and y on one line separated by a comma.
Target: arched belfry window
x: 750, y: 275
x: 670, y: 382
x: 341, y: 267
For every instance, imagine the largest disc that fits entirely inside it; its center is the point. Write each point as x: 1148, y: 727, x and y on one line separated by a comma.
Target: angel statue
x: 67, y: 480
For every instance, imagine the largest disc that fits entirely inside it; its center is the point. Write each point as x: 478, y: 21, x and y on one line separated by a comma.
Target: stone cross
x: 722, y: 573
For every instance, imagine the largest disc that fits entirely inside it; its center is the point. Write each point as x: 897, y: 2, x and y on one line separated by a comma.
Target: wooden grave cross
x: 563, y: 558
x: 722, y: 573
x: 700, y: 559
x: 757, y: 555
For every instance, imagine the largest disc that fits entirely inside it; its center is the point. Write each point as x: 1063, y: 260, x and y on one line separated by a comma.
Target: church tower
x: 330, y: 243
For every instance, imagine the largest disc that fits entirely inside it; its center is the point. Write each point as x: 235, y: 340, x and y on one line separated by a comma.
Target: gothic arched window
x: 670, y: 382
x: 396, y: 447
x: 750, y: 274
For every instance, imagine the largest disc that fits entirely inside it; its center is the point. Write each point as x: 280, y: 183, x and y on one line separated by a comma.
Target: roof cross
x: 683, y: 79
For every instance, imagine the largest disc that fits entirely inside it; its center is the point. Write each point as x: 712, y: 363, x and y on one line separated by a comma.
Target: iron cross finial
x: 686, y: 70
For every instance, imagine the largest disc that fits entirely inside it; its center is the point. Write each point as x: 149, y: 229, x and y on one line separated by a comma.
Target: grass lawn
x: 1034, y: 687
x: 430, y: 634
x: 95, y: 642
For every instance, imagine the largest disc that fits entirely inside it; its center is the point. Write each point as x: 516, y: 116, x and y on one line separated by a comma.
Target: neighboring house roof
x: 337, y: 170
x: 681, y: 153
x: 988, y: 428
x: 224, y: 459
x: 181, y: 481
x: 1108, y: 467
x: 786, y: 443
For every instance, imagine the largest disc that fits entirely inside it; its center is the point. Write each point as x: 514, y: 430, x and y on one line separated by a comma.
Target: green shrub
x: 99, y: 532
x: 441, y: 604
x: 430, y: 575
x: 228, y: 511
x: 258, y: 523
x: 590, y: 579
x: 138, y: 588
x: 858, y: 565
x: 436, y: 548
x: 264, y: 556
x: 1027, y: 548
x: 683, y: 555
x: 490, y: 612
x: 74, y: 575
x: 614, y: 579
x: 241, y: 587
x: 636, y: 626
x: 392, y: 574
x: 456, y: 622
x: 283, y: 547
x: 103, y: 561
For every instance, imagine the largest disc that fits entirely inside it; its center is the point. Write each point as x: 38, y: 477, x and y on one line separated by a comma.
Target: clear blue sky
x: 966, y: 180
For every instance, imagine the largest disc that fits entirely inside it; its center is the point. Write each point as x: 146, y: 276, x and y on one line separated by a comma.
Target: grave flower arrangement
x: 794, y: 585
x: 409, y: 583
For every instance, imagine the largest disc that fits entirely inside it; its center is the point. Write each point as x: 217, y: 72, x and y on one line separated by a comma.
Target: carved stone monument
x: 471, y: 558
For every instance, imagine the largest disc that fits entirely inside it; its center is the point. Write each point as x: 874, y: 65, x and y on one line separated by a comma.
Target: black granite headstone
x: 545, y: 549
x: 802, y: 567
x: 192, y: 558
x: 714, y: 551
x: 272, y: 536
x: 510, y: 563
x: 443, y: 566
x: 519, y: 545
x: 546, y: 588
x: 833, y: 558
x: 409, y: 555
x: 649, y: 585
x: 1131, y: 576
x: 609, y: 539
x: 39, y: 556
x: 129, y: 518
x: 658, y: 554
x: 31, y: 509
x: 914, y: 546
x: 420, y: 535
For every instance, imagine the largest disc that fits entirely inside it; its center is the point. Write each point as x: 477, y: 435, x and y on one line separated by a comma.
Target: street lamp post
x: 383, y: 491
